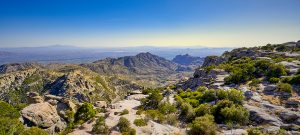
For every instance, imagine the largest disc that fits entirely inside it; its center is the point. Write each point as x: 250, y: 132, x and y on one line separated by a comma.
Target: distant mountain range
x: 188, y: 60
x: 72, y: 54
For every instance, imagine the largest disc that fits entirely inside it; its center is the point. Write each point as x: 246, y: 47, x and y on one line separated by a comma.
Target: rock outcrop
x: 213, y: 79
x: 43, y: 115
x: 8, y: 68
x: 33, y: 97
x: 213, y: 60
x: 50, y: 114
x: 259, y: 116
x: 13, y: 81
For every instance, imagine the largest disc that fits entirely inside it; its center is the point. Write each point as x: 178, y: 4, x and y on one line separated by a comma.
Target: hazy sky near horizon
x: 124, y: 23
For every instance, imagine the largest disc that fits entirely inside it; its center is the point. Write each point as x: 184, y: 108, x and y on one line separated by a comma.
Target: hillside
x: 244, y: 91
x: 267, y: 76
x: 74, y: 82
x: 147, y: 67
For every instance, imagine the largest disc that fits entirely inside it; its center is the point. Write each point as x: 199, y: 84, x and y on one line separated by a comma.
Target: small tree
x: 203, y: 109
x: 187, y: 111
x: 235, y: 114
x: 152, y: 101
x: 85, y: 113
x: 203, y: 126
x: 100, y: 127
x: 140, y: 122
x: 124, y: 127
x: 235, y: 96
x: 166, y: 108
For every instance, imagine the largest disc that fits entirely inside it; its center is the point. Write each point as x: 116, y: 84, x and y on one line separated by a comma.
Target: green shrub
x: 285, y: 87
x: 286, y: 79
x: 35, y: 131
x: 139, y: 112
x: 235, y: 96
x: 166, y: 108
x: 216, y: 109
x: 10, y: 126
x: 125, y: 111
x: 274, y: 80
x: 193, y: 102
x: 131, y: 132
x: 187, y: 111
x: 7, y: 110
x: 85, y: 113
x: 70, y: 114
x: 276, y: 71
x: 201, y: 89
x: 203, y: 109
x: 203, y: 126
x: 222, y: 94
x: 100, y: 127
x: 152, y: 101
x: 209, y: 95
x: 235, y: 114
x: 253, y: 131
x: 295, y: 79
x: 124, y: 127
x: 155, y: 115
x: 171, y: 119
x: 140, y: 122
x: 254, y: 82
x: 282, y: 48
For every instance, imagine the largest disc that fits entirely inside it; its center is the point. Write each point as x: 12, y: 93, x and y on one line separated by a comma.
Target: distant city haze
x: 160, y: 23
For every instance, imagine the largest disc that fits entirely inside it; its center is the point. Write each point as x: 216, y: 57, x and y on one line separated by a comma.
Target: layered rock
x: 213, y: 79
x: 33, y: 97
x: 8, y: 68
x: 259, y: 116
x: 213, y: 60
x: 50, y: 114
x: 12, y: 81
x: 43, y: 115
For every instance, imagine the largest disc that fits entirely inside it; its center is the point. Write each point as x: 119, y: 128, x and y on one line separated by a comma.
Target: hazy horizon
x: 160, y: 23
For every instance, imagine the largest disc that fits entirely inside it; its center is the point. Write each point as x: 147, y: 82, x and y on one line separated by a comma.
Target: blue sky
x: 122, y: 23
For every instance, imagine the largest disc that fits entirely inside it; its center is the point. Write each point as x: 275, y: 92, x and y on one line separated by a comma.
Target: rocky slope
x: 69, y: 81
x: 144, y: 66
x: 7, y: 68
x: 143, y: 63
x: 270, y: 109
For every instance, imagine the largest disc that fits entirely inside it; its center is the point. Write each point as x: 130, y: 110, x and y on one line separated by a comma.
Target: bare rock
x: 33, y: 97
x: 292, y: 103
x: 101, y: 104
x: 235, y: 132
x: 259, y: 116
x: 271, y: 129
x: 289, y: 116
x: 270, y: 89
x: 43, y: 115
